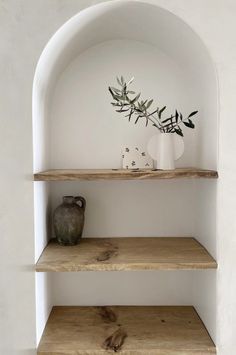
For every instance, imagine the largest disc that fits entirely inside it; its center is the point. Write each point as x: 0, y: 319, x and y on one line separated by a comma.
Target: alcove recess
x: 75, y: 127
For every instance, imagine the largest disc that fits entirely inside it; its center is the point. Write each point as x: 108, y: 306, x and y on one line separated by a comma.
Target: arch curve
x: 113, y: 20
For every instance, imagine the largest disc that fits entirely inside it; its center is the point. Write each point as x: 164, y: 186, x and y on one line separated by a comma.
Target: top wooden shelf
x: 122, y: 174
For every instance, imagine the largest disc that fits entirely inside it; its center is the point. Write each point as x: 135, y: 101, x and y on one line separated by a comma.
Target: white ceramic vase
x: 165, y: 148
x: 166, y: 154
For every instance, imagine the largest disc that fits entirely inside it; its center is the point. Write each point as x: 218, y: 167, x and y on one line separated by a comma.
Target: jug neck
x: 68, y: 200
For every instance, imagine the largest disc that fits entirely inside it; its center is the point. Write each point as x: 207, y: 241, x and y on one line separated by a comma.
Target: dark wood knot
x: 106, y: 255
x: 107, y: 314
x: 115, y: 341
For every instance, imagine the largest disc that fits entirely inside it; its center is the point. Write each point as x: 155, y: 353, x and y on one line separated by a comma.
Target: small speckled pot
x: 68, y: 220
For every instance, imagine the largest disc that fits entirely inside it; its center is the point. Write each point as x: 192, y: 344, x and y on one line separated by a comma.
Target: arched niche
x: 169, y: 61
x: 172, y: 65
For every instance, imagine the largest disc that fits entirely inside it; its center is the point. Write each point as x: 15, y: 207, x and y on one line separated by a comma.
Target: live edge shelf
x: 122, y: 174
x: 138, y: 330
x: 114, y: 254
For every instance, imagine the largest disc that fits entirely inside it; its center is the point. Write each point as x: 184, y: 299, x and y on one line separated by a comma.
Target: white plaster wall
x: 120, y: 209
x: 204, y: 293
x: 214, y: 21
x: 84, y: 131
x: 25, y: 29
x: 122, y: 288
x: 163, y: 31
x: 133, y: 209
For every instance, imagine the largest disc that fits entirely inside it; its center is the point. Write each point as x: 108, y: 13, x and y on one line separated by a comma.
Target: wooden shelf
x: 122, y: 174
x: 144, y: 330
x: 113, y: 254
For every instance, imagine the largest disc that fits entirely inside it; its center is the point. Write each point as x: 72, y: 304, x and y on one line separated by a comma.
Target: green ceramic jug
x: 68, y: 220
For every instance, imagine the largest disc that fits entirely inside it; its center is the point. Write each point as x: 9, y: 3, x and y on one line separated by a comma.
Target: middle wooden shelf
x: 126, y: 253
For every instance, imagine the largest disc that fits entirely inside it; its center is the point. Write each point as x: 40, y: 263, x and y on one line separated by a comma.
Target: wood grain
x: 148, y: 330
x: 122, y: 174
x: 113, y: 254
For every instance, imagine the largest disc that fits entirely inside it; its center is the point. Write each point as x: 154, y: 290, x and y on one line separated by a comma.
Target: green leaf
x: 135, y: 99
x: 176, y: 116
x: 179, y: 131
x: 160, y: 112
x: 110, y: 90
x: 130, y: 114
x: 136, y: 119
x: 115, y: 104
x: 118, y: 81
x: 130, y: 81
x: 192, y: 113
x: 121, y: 110
x: 144, y: 103
x: 189, y: 124
x: 130, y: 92
x: 112, y: 94
x: 149, y: 103
x: 122, y: 80
x: 116, y: 90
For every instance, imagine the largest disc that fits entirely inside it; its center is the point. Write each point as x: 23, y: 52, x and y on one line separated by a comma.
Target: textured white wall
x: 214, y: 21
x: 84, y: 131
x: 25, y: 29
x: 35, y: 22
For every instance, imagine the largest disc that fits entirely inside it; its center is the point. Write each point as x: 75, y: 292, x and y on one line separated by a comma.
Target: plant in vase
x: 164, y: 148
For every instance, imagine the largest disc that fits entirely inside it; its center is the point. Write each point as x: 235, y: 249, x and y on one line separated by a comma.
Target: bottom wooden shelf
x: 146, y: 330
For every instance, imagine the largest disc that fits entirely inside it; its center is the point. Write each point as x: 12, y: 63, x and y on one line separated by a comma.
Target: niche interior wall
x: 75, y: 127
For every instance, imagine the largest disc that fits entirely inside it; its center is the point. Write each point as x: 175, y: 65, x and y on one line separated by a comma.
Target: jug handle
x: 81, y: 200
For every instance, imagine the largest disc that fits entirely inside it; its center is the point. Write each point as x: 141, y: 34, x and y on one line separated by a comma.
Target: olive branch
x: 125, y: 103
